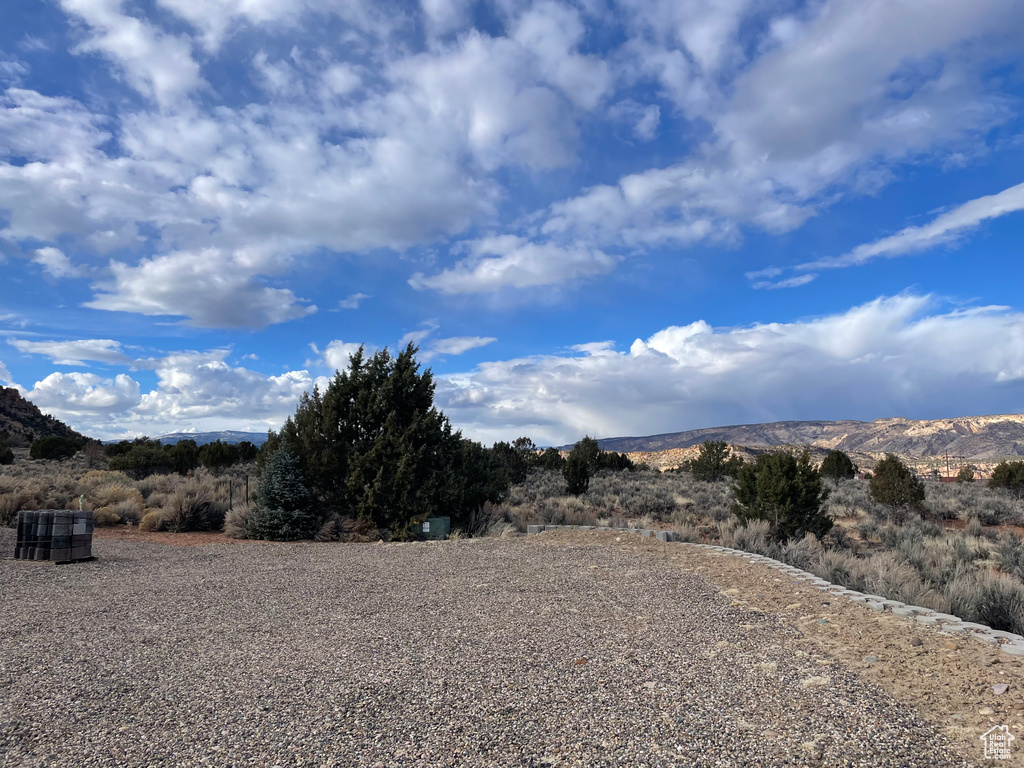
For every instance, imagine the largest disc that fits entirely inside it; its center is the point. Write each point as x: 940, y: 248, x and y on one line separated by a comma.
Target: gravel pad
x: 464, y: 653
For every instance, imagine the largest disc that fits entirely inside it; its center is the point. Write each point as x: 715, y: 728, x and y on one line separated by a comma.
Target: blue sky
x: 605, y: 216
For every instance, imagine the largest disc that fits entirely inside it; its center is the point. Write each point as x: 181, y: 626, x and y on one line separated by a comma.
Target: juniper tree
x: 894, y: 485
x: 576, y: 472
x: 374, y: 446
x: 837, y: 466
x: 784, y: 490
x: 713, y: 462
x: 1009, y: 476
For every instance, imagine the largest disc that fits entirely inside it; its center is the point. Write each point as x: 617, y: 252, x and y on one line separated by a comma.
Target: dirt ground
x: 132, y: 533
x: 947, y: 679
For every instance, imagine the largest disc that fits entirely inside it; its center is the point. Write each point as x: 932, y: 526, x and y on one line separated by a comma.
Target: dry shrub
x: 157, y: 484
x: 752, y: 537
x: 687, y: 532
x: 152, y: 520
x: 330, y: 529
x: 236, y: 521
x: 501, y: 530
x: 129, y: 511
x: 192, y: 508
x: 10, y: 505
x: 105, y: 516
x: 987, y: 598
x: 357, y: 529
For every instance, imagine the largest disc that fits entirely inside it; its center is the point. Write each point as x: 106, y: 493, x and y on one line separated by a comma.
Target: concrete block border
x: 1009, y: 643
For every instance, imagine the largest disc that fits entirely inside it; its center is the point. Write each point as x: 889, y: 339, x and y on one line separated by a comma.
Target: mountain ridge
x: 977, y: 438
x: 22, y: 422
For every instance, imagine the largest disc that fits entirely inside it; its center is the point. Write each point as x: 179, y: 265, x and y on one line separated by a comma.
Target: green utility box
x: 435, y: 528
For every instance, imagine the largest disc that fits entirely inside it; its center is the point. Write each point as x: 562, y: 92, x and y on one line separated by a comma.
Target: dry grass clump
x: 236, y: 521
x: 193, y: 507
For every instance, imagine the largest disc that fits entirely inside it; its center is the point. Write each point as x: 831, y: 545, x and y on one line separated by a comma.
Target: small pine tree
x: 713, y: 462
x: 6, y: 455
x: 283, y: 509
x: 965, y: 475
x: 894, y: 485
x: 576, y: 473
x: 784, y: 490
x: 837, y: 467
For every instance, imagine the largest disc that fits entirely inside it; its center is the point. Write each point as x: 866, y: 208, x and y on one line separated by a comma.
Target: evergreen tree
x: 576, y: 472
x: 713, y: 462
x: 616, y: 462
x: 894, y: 485
x: 283, y: 508
x: 551, y: 459
x: 54, y: 447
x: 837, y: 467
x: 6, y: 455
x: 965, y: 475
x: 515, y: 461
x: 784, y: 490
x: 216, y: 456
x: 185, y: 456
x: 373, y: 446
x: 1009, y: 476
x: 589, y: 451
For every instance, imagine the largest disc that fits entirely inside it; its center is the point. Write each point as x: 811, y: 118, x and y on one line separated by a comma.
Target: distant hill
x: 975, y: 438
x: 21, y: 422
x: 227, y: 436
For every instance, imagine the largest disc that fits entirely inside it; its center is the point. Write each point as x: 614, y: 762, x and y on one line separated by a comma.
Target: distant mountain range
x: 975, y: 438
x: 21, y: 422
x: 226, y: 436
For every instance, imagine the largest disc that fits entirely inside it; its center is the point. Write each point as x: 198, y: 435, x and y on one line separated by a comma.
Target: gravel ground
x: 465, y: 653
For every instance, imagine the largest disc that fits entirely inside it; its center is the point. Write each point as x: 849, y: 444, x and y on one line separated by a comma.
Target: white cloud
x: 790, y: 282
x: 821, y: 108
x: 552, y: 32
x: 942, y: 229
x: 210, y: 288
x: 5, y: 375
x: 419, y: 336
x: 353, y: 300
x: 337, y: 353
x: 891, y: 357
x: 156, y: 64
x: 456, y: 345
x: 75, y: 352
x: 644, y: 120
x: 78, y: 396
x: 517, y: 263
x: 56, y: 263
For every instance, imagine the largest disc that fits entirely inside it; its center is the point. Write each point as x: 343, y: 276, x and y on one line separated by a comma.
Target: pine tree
x: 283, y: 508
x: 784, y: 490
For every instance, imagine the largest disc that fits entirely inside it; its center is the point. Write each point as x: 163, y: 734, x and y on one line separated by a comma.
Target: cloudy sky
x: 613, y: 217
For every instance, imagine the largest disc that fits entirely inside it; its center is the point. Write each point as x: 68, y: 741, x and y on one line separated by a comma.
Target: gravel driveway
x: 475, y: 653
